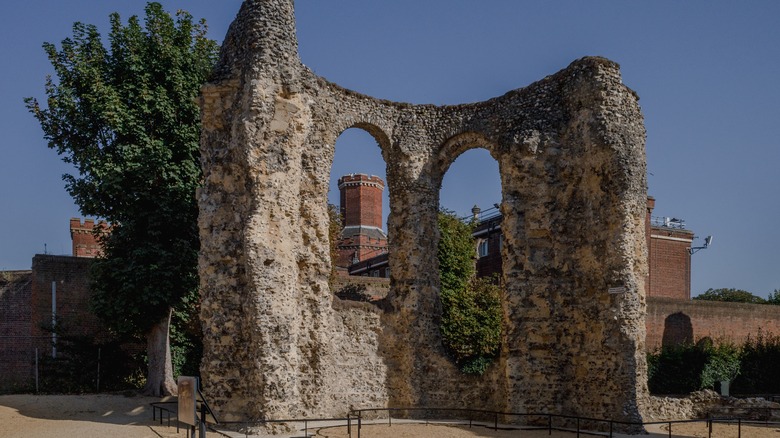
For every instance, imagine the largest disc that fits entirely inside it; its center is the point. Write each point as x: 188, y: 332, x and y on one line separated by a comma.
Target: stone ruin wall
x: 277, y: 344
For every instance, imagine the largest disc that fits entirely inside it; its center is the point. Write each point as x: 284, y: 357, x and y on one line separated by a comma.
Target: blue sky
x: 706, y: 73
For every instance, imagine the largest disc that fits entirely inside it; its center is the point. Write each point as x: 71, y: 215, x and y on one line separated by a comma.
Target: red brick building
x: 83, y: 238
x: 16, y: 343
x: 668, y: 251
x: 489, y: 241
x: 55, y: 292
x: 362, y: 237
x: 668, y: 255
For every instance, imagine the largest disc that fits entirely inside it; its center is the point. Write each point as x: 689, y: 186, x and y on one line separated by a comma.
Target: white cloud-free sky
x: 706, y: 73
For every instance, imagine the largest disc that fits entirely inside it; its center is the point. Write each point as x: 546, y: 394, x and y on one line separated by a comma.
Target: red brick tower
x: 361, y: 213
x: 668, y: 255
x: 82, y: 235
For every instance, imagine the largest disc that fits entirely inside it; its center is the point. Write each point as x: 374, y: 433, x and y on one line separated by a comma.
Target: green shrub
x: 676, y: 369
x: 723, y: 363
x: 471, y: 307
x: 471, y: 324
x: 759, y: 361
x: 751, y: 367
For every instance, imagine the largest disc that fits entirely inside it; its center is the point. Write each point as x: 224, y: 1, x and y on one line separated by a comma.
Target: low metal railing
x: 496, y: 420
x: 307, y: 423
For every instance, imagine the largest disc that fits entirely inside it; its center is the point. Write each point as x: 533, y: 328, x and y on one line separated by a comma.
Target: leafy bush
x: 723, y: 364
x: 685, y: 368
x: 759, y: 360
x: 676, y: 369
x: 471, y: 307
x: 471, y: 324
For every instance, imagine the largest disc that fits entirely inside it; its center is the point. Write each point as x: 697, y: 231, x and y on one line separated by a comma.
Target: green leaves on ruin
x: 126, y: 116
x: 471, y: 307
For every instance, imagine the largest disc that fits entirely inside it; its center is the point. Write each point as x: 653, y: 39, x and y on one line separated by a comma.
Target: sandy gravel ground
x: 118, y: 416
x: 444, y: 431
x: 722, y: 430
x: 80, y: 416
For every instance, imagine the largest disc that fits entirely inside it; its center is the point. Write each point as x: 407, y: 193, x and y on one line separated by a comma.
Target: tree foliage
x: 471, y: 307
x: 127, y: 118
x: 774, y: 297
x: 730, y: 295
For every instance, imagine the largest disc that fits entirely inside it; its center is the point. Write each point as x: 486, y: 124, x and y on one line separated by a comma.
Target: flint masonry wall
x: 570, y: 149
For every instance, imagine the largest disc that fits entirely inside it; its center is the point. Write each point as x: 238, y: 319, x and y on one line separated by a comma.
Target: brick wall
x: 671, y: 321
x: 491, y: 263
x: 15, y: 341
x: 670, y: 263
x: 71, y: 277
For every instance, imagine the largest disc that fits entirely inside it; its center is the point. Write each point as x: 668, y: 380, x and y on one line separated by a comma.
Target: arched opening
x: 359, y: 205
x: 471, y: 188
x: 470, y: 260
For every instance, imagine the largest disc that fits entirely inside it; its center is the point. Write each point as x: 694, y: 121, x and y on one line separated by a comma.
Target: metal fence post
x: 549, y: 424
x: 98, y: 371
x: 36, y: 370
x: 739, y: 427
x: 578, y: 427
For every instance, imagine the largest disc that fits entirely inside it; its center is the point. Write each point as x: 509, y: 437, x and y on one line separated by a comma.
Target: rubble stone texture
x: 278, y: 344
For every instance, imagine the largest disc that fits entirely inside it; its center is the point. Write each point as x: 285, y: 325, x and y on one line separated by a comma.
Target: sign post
x: 188, y: 390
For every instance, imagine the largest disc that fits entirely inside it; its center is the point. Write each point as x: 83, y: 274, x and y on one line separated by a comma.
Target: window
x: 482, y: 248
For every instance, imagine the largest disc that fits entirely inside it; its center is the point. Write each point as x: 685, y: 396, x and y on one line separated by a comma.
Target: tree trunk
x: 159, y: 380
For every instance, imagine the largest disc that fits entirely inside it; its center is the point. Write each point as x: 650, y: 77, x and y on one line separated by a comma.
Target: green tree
x: 471, y: 307
x: 774, y: 297
x: 126, y: 117
x: 730, y: 295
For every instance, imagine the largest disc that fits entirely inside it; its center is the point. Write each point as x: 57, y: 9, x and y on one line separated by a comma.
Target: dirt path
x: 83, y: 416
x: 118, y: 416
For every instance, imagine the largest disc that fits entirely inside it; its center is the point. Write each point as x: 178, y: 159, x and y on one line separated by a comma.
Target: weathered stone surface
x: 708, y: 403
x: 570, y: 149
